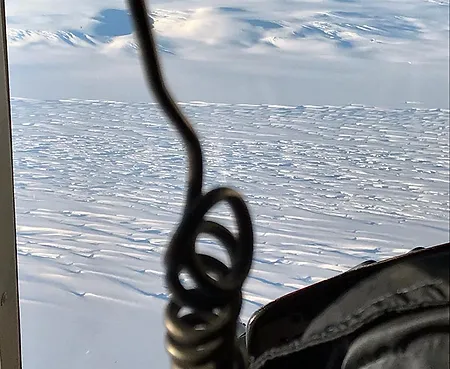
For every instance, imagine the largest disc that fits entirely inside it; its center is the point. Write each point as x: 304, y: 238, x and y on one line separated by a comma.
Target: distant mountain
x: 380, y: 53
x: 111, y: 27
x: 351, y: 29
x: 20, y: 37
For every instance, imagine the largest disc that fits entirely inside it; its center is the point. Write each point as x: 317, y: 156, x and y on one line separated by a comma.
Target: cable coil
x: 205, y: 336
x: 208, y: 334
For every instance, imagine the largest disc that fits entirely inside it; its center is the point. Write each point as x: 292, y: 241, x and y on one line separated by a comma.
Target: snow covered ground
x: 100, y: 187
x: 99, y: 173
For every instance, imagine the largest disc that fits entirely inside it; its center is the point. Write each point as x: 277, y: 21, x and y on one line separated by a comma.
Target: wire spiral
x: 206, y: 336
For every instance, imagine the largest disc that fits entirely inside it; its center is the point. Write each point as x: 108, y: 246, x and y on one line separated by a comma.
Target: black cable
x: 206, y: 335
x: 156, y: 82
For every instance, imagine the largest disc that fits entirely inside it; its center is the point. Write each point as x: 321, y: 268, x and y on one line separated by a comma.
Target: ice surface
x: 100, y: 186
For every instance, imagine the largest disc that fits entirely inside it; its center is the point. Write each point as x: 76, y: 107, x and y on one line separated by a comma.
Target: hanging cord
x: 204, y: 334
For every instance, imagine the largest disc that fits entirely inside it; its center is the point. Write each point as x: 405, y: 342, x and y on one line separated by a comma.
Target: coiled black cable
x: 205, y: 337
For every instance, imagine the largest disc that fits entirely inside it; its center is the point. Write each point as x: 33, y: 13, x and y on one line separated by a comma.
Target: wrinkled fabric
x: 418, y: 341
x: 427, y: 352
x: 390, y: 315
